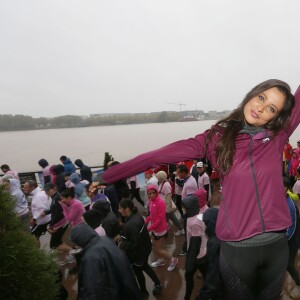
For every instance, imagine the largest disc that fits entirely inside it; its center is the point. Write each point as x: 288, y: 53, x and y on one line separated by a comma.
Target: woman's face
x: 264, y: 107
x: 151, y: 194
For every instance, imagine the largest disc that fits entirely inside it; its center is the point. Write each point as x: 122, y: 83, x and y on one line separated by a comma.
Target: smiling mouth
x: 254, y: 115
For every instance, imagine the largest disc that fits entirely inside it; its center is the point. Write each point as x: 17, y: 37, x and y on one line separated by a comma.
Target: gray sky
x: 79, y: 57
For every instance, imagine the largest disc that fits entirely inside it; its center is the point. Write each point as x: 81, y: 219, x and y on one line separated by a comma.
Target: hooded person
x: 213, y: 286
x: 201, y: 195
x: 108, y: 220
x: 85, y: 171
x: 196, y: 243
x: 68, y: 165
x: 104, y: 270
x: 59, y: 177
x: 93, y: 219
x: 80, y: 193
x: 159, y: 228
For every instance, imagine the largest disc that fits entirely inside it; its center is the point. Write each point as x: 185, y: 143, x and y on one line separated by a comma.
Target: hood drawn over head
x: 82, y: 235
x: 191, y: 206
x: 153, y: 187
x: 161, y: 176
x: 93, y: 218
x: 67, y: 161
x: 201, y: 194
x: 74, y: 178
x: 78, y: 162
x: 58, y: 169
x: 210, y: 219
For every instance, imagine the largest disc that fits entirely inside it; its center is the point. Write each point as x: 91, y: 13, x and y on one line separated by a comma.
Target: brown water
x: 21, y: 150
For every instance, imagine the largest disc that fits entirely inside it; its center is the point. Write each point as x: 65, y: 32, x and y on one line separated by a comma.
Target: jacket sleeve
x: 189, y: 149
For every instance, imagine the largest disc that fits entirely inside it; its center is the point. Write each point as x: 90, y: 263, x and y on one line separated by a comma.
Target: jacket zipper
x: 256, y: 186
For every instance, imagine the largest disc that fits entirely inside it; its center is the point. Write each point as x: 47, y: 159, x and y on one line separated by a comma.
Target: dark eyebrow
x: 271, y: 103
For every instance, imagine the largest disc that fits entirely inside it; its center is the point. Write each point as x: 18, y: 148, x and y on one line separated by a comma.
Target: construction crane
x: 178, y: 103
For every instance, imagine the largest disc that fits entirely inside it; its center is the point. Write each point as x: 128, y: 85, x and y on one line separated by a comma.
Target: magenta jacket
x: 253, y: 194
x: 157, y: 215
x: 73, y: 212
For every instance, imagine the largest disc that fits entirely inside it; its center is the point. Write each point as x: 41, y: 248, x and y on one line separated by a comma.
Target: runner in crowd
x: 159, y: 229
x: 79, y: 189
x: 68, y: 165
x: 73, y: 209
x: 85, y: 171
x: 104, y: 270
x: 165, y: 192
x: 43, y: 163
x: 58, y: 224
x: 136, y: 243
x: 40, y: 202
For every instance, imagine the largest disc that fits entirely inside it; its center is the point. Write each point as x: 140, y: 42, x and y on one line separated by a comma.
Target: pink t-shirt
x: 189, y: 187
x: 196, y: 227
x: 73, y: 212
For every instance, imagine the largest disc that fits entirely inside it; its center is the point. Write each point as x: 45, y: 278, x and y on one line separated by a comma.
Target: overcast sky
x: 61, y: 57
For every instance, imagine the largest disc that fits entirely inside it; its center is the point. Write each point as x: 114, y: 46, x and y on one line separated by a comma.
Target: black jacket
x: 104, y: 271
x: 136, y: 242
x: 55, y: 210
x: 85, y: 171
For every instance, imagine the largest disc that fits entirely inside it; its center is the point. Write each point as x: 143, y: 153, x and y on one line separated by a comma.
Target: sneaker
x: 173, y: 263
x: 295, y: 292
x: 157, y: 289
x: 159, y: 263
x: 182, y: 253
x: 68, y: 260
x: 179, y: 232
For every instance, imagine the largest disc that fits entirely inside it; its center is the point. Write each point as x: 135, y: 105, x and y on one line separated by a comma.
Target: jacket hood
x: 161, y: 176
x: 79, y: 163
x: 210, y: 219
x: 43, y: 163
x: 58, y: 169
x: 152, y: 187
x: 191, y: 205
x: 82, y: 235
x: 93, y: 218
x: 201, y: 195
x: 67, y: 161
x: 74, y: 178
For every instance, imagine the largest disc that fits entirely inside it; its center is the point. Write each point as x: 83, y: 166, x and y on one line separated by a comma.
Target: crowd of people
x: 235, y: 207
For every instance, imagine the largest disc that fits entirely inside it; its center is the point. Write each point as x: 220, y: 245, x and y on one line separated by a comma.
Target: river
x: 21, y: 150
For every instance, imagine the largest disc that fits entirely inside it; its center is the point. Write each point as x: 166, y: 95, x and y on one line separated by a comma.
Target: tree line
x: 22, y: 122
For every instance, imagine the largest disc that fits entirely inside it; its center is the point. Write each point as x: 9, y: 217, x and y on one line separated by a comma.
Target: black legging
x: 138, y: 270
x: 178, y: 202
x: 255, y: 272
x: 135, y: 193
x: 293, y: 248
x: 201, y: 265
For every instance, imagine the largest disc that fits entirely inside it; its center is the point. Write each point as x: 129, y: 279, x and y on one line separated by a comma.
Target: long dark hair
x: 233, y: 124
